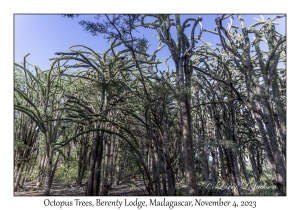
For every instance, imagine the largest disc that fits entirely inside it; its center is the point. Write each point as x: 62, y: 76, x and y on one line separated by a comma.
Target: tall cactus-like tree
x: 46, y: 108
x: 181, y: 53
x: 121, y: 27
x: 258, y: 73
x: 106, y: 72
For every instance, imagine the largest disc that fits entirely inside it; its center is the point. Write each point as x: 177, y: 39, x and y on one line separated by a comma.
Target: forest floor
x: 135, y: 188
x: 132, y: 188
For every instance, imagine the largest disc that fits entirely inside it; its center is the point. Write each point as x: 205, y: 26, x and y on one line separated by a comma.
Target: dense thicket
x: 102, y: 118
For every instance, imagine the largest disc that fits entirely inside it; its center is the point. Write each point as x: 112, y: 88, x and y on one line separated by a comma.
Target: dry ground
x: 135, y: 188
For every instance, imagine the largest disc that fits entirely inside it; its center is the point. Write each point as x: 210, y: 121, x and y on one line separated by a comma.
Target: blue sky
x: 43, y: 35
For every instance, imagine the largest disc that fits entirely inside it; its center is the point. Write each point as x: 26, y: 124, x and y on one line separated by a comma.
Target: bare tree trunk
x: 48, y: 181
x: 42, y: 167
x: 187, y: 137
x: 92, y: 183
x: 254, y: 165
x: 243, y: 167
x: 272, y: 148
x: 18, y: 172
x: 106, y: 166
